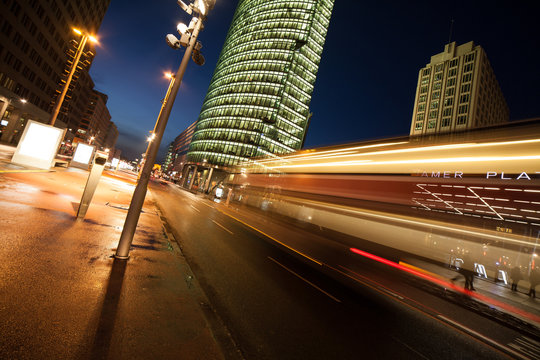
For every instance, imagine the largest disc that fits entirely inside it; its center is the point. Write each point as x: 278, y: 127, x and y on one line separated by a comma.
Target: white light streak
x: 435, y: 196
x: 492, y: 209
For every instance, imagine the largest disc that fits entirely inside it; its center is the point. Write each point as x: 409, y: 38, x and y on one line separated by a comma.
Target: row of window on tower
x: 450, y: 93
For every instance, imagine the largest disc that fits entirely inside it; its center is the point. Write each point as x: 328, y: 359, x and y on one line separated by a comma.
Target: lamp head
x: 172, y: 41
x: 185, y: 7
x: 182, y: 28
x: 204, y: 6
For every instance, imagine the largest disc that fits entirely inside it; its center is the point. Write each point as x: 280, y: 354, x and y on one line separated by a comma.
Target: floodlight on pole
x: 185, y: 7
x: 204, y: 6
x: 182, y: 28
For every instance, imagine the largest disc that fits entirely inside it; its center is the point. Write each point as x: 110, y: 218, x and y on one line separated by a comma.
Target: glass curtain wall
x: 258, y: 100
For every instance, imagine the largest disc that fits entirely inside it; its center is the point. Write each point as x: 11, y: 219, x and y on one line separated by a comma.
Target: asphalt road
x: 277, y: 307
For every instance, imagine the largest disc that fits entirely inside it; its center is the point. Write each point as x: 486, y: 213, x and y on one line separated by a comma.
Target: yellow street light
x: 90, y: 37
x: 80, y: 49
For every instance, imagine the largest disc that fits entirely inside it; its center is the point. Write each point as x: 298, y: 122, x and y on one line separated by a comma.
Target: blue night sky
x: 367, y: 77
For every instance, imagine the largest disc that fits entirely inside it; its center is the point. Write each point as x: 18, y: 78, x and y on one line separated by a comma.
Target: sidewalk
x: 63, y: 296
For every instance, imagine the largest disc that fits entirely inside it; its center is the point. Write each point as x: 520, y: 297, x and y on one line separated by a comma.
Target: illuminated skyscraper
x: 456, y: 91
x: 258, y: 100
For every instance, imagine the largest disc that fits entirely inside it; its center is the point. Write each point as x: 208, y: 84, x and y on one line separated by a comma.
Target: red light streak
x: 447, y: 284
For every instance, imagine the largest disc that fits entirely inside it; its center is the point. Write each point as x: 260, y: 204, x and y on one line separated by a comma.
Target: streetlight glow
x: 90, y: 37
x: 202, y: 7
x: 182, y: 28
x: 168, y: 75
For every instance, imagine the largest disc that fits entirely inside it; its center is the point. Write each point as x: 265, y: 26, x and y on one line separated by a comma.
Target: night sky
x: 367, y: 77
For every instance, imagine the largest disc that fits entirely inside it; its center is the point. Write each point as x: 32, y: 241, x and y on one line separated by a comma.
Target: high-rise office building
x: 96, y: 121
x: 258, y: 100
x: 110, y: 139
x: 36, y: 43
x: 177, y: 152
x: 456, y: 91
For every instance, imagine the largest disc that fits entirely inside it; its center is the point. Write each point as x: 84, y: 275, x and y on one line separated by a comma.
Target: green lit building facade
x: 258, y: 100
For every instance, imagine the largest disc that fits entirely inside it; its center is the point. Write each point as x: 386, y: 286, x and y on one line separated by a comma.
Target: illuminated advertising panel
x: 83, y: 155
x: 38, y: 146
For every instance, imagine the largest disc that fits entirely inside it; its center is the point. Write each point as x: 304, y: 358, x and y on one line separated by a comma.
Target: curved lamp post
x: 188, y: 38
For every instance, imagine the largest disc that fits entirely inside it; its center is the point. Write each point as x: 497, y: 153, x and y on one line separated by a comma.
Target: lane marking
x: 24, y: 171
x: 194, y: 208
x: 307, y: 281
x: 409, y: 347
x: 482, y: 337
x: 223, y: 227
x: 268, y: 236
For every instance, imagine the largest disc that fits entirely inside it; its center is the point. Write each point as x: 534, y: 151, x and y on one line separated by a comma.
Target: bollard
x: 91, y: 184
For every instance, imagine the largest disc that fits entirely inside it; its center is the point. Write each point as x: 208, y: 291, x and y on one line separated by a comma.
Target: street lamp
x: 188, y: 39
x: 82, y: 43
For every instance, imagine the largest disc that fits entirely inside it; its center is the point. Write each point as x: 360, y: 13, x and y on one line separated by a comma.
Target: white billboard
x: 38, y: 146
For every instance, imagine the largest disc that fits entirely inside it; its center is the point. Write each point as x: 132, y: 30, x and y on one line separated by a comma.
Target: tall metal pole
x: 171, y: 83
x: 137, y: 201
x: 60, y: 99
